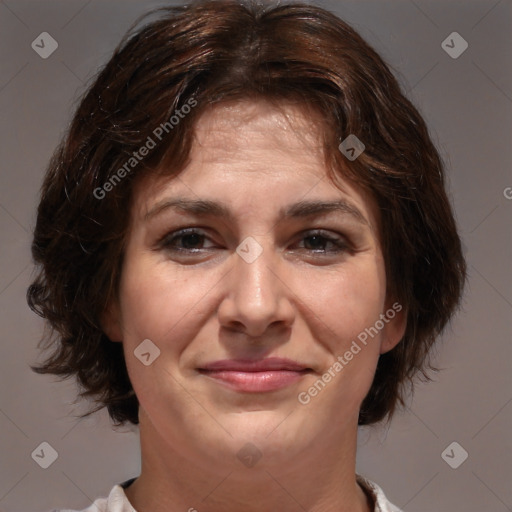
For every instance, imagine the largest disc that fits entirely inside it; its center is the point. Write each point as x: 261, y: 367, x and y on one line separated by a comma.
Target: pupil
x: 315, y: 242
x: 192, y: 240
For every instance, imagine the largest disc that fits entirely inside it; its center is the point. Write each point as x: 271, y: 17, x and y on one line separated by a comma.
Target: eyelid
x: 337, y: 239
x: 165, y: 241
x: 341, y: 243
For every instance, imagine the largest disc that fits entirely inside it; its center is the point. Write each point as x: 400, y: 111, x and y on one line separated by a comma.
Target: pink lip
x: 255, y: 376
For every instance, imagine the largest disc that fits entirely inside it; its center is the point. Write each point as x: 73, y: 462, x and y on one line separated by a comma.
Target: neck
x: 318, y: 480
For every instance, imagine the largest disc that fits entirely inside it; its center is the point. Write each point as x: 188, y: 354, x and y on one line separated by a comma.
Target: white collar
x: 117, y: 500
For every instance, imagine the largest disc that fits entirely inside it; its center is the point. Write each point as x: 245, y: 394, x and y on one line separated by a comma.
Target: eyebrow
x: 302, y: 209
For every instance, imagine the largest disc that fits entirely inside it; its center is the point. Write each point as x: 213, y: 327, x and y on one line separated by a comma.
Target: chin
x: 276, y: 434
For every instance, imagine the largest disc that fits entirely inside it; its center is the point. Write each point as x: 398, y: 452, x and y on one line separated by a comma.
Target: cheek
x: 157, y: 304
x: 349, y: 300
x: 349, y: 304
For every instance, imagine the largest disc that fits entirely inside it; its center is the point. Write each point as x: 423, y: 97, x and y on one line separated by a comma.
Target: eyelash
x: 167, y: 243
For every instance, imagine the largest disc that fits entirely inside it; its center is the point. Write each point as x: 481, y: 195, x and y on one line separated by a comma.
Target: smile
x: 256, y: 381
x: 255, y: 375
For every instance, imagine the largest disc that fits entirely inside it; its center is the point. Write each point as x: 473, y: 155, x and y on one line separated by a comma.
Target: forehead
x: 251, y: 142
x: 250, y: 147
x: 246, y: 125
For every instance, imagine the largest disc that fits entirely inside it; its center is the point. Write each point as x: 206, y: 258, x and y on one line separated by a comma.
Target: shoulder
x: 382, y: 504
x: 116, y: 501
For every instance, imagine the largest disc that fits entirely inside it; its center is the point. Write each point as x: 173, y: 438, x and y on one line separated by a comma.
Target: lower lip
x: 256, y: 382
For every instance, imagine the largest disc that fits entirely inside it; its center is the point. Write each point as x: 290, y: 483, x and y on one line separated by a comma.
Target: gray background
x: 468, y: 104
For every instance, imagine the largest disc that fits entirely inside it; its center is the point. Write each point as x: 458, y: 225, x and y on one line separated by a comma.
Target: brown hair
x: 199, y: 55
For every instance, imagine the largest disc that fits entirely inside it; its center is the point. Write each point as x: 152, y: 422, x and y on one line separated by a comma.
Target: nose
x: 257, y: 298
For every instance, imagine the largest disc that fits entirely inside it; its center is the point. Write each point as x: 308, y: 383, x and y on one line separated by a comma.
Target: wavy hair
x: 223, y: 50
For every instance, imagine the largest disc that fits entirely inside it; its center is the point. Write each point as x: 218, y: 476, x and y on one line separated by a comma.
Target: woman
x: 245, y: 248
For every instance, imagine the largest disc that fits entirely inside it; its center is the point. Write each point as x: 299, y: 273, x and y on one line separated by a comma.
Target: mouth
x: 255, y: 376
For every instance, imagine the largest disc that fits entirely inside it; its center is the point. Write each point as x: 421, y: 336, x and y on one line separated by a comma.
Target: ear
x: 111, y: 321
x: 395, y: 324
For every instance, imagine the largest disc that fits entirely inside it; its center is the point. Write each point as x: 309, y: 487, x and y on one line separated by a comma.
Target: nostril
x: 235, y: 326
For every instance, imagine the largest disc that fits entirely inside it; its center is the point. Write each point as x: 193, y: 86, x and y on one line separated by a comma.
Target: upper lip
x: 260, y: 365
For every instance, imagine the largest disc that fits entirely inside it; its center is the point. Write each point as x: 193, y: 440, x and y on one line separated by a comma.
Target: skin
x: 198, y: 301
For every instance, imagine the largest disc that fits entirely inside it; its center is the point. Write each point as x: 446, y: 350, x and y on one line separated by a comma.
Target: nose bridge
x: 255, y: 276
x: 257, y: 297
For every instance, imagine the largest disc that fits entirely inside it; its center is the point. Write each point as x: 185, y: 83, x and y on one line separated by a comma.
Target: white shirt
x: 118, y: 502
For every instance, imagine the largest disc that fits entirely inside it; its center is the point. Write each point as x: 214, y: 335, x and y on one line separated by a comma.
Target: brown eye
x: 191, y: 241
x: 322, y: 243
x: 187, y: 240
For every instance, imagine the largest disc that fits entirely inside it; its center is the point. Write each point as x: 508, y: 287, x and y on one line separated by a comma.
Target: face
x: 252, y: 274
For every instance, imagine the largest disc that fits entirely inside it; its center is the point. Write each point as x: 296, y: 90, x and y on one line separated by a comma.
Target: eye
x: 319, y: 242
x: 187, y: 240
x: 194, y: 241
